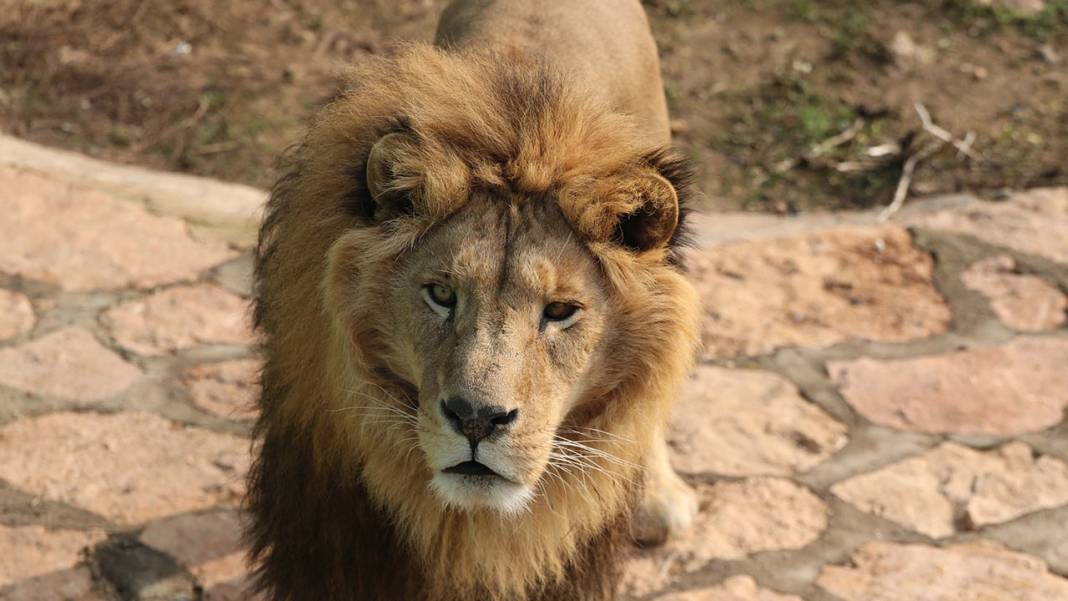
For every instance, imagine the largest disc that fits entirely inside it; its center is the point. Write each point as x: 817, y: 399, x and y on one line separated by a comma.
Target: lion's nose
x: 476, y: 423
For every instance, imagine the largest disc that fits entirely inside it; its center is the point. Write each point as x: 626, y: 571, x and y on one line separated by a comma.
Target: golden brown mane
x: 339, y: 510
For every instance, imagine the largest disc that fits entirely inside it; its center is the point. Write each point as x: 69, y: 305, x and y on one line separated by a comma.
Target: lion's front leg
x: 668, y: 505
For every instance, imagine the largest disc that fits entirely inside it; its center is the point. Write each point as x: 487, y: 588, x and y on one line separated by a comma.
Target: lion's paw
x: 668, y: 507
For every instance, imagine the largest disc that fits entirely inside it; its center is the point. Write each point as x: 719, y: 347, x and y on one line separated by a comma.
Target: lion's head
x: 498, y: 313
x: 469, y: 287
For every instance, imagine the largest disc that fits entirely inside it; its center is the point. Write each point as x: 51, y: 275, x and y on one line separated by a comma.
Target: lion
x: 475, y: 320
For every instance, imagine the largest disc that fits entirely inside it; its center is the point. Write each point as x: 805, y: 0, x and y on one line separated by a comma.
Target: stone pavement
x: 878, y: 414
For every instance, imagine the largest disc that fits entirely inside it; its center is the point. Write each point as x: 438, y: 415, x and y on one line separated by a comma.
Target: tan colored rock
x: 16, y: 314
x: 30, y: 551
x: 982, y: 570
x: 748, y: 422
x: 74, y: 584
x: 218, y: 210
x: 180, y: 318
x: 992, y: 487
x: 736, y: 519
x: 1033, y: 222
x: 1023, y: 302
x: 129, y: 467
x: 758, y: 514
x: 735, y: 588
x: 220, y: 585
x: 815, y: 290
x: 68, y: 364
x: 997, y: 391
x: 207, y: 544
x: 907, y: 51
x: 84, y: 240
x: 226, y: 389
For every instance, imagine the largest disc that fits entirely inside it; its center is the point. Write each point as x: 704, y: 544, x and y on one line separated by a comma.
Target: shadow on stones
x: 140, y: 573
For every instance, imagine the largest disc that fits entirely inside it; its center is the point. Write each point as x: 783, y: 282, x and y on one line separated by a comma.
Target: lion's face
x: 500, y: 312
x: 493, y: 293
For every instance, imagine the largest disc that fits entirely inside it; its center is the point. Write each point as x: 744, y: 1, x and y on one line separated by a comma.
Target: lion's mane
x: 341, y: 513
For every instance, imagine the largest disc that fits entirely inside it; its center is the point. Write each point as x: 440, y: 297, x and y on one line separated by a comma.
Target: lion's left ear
x: 386, y: 175
x: 652, y: 221
x: 637, y: 208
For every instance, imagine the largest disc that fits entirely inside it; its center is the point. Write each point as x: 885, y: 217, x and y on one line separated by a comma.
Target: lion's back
x: 604, y: 44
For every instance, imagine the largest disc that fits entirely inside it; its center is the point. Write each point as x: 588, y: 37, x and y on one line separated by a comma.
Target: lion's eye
x: 440, y: 296
x: 559, y: 311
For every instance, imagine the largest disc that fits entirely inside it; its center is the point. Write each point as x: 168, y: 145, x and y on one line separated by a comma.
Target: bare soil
x: 220, y: 88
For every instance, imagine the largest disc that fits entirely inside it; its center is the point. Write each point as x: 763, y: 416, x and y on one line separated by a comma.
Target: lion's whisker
x: 596, y: 452
x: 598, y: 431
x: 565, y: 453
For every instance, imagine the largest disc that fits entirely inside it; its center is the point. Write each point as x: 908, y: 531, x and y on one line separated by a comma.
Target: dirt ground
x: 759, y: 89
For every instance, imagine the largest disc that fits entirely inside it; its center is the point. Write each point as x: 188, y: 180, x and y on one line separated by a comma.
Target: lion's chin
x: 473, y: 492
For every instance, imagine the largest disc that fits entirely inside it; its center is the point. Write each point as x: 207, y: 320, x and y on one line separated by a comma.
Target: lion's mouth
x: 471, y: 484
x: 471, y: 468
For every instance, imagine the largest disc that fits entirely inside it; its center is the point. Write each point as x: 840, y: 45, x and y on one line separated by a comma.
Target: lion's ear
x: 652, y: 221
x: 388, y: 182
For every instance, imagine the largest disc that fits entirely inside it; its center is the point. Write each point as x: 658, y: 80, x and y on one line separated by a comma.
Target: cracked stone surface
x: 839, y: 415
x: 748, y: 422
x: 981, y: 570
x: 936, y: 491
x: 998, y: 391
x: 43, y: 237
x: 75, y: 584
x: 1032, y: 222
x: 41, y: 551
x: 208, y: 544
x: 1023, y: 302
x: 180, y: 318
x: 226, y: 389
x: 735, y: 588
x: 868, y: 283
x: 129, y: 467
x: 89, y: 370
x: 16, y: 314
x: 736, y: 520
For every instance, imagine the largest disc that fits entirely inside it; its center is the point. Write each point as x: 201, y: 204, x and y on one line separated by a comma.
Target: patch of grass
x: 256, y: 125
x: 816, y: 121
x: 780, y: 122
x: 850, y: 31
x: 846, y: 24
x: 992, y: 18
x: 793, y: 112
x: 804, y: 10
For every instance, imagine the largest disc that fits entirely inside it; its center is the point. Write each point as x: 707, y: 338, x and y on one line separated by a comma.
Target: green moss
x: 804, y: 10
x: 778, y: 124
x: 992, y: 18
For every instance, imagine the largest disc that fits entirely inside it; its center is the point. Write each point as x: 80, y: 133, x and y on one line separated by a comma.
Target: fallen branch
x: 903, y: 183
x: 963, y: 146
x: 821, y: 148
x: 967, y: 143
x: 943, y: 137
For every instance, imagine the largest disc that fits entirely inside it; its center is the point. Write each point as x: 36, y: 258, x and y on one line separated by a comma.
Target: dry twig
x: 943, y: 137
x: 903, y: 183
x: 821, y: 148
x: 964, y: 146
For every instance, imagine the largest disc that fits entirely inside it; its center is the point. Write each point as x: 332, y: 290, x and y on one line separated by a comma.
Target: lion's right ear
x: 389, y: 177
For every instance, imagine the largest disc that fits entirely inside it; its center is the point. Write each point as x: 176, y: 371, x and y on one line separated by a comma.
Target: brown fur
x: 340, y: 505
